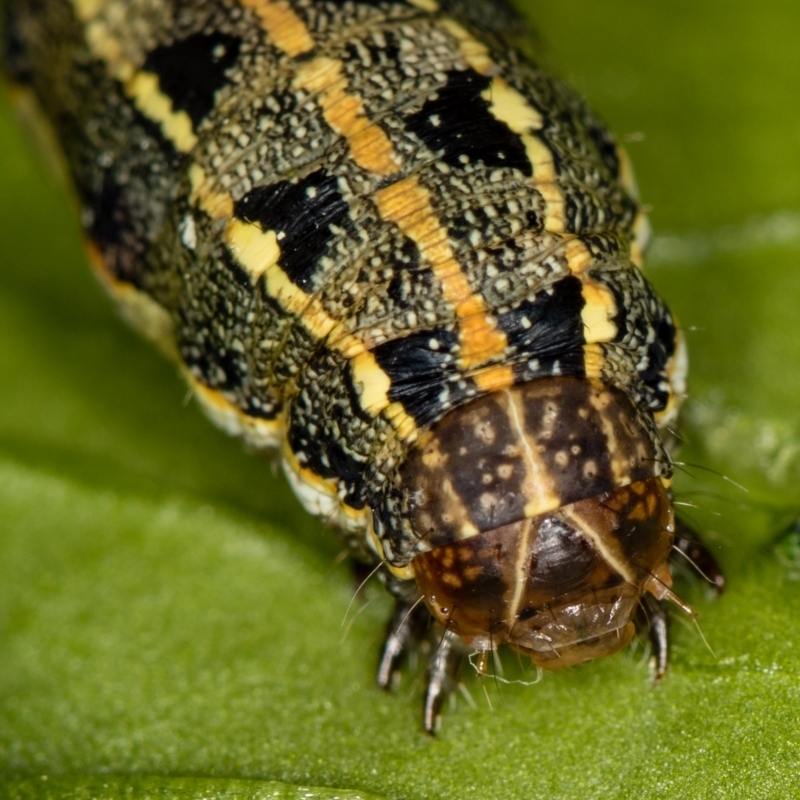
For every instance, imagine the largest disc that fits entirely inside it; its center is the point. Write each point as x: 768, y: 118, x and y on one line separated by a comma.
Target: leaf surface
x: 171, y: 622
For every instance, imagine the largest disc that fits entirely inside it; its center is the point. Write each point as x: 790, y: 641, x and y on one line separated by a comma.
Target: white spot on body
x: 488, y: 501
x: 485, y: 432
x: 188, y: 232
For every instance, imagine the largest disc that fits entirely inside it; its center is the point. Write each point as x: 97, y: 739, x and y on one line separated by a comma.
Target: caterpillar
x: 379, y: 240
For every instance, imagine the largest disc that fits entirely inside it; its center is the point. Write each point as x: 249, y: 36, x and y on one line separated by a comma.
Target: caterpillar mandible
x: 378, y: 239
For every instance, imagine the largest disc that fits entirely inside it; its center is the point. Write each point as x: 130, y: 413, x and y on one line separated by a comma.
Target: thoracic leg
x: 405, y: 634
x: 692, y: 556
x: 657, y: 620
x: 689, y: 545
x: 411, y: 629
x: 442, y: 677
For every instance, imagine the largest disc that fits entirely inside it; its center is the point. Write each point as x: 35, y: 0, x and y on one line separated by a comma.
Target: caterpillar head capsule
x: 541, y: 516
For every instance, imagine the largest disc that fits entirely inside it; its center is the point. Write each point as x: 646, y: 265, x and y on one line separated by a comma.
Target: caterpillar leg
x: 405, y: 634
x: 441, y: 678
x: 689, y: 548
x: 689, y: 555
x: 411, y: 630
x: 656, y: 614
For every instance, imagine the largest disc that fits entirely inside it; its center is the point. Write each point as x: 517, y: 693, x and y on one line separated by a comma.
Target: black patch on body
x: 322, y: 453
x: 191, y: 70
x: 417, y: 372
x: 456, y: 122
x: 119, y: 201
x: 301, y: 214
x: 109, y: 225
x: 548, y: 327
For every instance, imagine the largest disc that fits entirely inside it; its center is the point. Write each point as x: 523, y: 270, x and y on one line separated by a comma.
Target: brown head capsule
x: 540, y: 516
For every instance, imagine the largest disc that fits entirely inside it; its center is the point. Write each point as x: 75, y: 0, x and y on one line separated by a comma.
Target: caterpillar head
x: 539, y: 516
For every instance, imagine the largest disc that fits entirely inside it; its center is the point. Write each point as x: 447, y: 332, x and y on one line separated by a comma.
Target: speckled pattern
x: 349, y: 221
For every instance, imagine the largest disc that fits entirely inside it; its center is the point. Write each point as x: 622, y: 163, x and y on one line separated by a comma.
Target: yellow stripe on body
x: 510, y: 107
x: 370, y: 147
x: 407, y: 203
x: 140, y: 86
x: 431, y: 6
x: 257, y: 432
x: 344, y: 112
x: 285, y: 29
x: 598, y: 312
x: 218, y: 205
x: 475, y: 53
x: 144, y: 89
x: 258, y: 253
x: 599, y: 307
x: 593, y: 361
x: 372, y: 150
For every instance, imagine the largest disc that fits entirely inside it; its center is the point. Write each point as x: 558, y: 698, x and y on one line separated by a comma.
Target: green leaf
x: 171, y: 623
x: 159, y: 788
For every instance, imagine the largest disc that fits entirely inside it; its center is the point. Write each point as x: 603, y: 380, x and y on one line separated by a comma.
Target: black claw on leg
x: 410, y: 630
x: 657, y: 615
x: 688, y: 543
x: 442, y: 678
x: 405, y: 631
x: 690, y: 555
